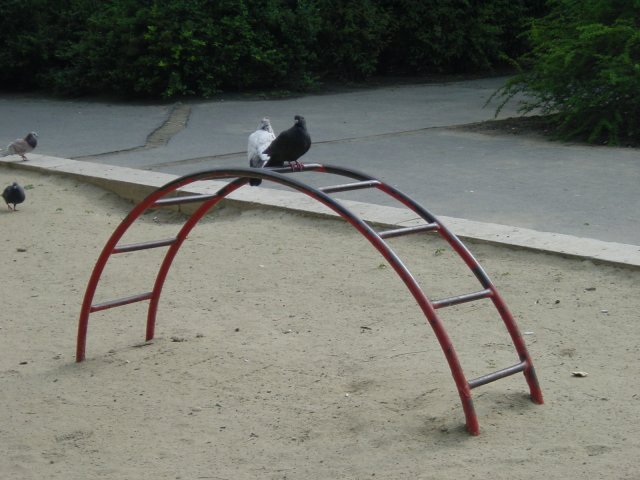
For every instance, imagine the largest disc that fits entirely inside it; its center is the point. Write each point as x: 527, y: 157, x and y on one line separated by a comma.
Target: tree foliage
x: 151, y: 48
x: 456, y: 35
x: 584, y: 69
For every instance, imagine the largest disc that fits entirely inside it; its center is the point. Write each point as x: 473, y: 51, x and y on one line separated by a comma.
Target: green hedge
x: 456, y: 35
x: 148, y: 48
x: 584, y: 70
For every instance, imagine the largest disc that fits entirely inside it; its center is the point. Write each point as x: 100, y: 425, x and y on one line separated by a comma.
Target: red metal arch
x: 240, y: 176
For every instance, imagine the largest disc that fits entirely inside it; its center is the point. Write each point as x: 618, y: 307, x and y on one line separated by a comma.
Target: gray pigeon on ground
x: 14, y: 193
x: 22, y: 146
x: 258, y: 142
x: 290, y: 145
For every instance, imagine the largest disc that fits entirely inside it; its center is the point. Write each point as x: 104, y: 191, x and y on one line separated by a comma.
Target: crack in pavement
x: 174, y: 124
x: 177, y: 121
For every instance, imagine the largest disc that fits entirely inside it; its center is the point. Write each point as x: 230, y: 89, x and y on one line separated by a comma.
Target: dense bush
x: 30, y: 32
x: 181, y: 48
x: 351, y: 38
x: 456, y: 35
x: 171, y: 48
x: 584, y: 69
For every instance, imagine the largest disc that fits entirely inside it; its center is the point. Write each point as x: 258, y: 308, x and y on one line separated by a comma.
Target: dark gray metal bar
x: 492, y: 377
x: 469, y: 297
x: 120, y: 301
x: 398, y: 232
x: 165, y: 202
x: 132, y: 247
x: 350, y: 186
x: 288, y: 169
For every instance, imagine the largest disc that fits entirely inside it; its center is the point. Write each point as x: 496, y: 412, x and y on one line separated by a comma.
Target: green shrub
x: 179, y: 48
x: 31, y: 31
x: 153, y: 48
x: 584, y: 70
x: 288, y: 38
x: 352, y: 36
x: 434, y: 36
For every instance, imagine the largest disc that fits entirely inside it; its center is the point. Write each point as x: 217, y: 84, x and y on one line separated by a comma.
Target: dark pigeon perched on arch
x: 290, y: 145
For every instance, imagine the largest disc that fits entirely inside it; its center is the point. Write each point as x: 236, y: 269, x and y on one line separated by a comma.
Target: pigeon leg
x: 296, y: 166
x: 24, y: 158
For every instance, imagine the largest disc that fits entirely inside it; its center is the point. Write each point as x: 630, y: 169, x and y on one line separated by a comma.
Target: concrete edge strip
x: 135, y: 184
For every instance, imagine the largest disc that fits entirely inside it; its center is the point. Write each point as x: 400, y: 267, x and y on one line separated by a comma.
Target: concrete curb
x: 135, y: 184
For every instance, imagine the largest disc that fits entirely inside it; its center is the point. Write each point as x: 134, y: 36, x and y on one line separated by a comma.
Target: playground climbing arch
x: 171, y: 195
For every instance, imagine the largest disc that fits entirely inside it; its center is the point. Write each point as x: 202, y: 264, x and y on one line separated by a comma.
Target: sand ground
x: 287, y: 349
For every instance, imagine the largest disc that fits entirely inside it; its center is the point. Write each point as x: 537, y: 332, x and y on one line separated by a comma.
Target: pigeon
x: 21, y: 146
x: 14, y: 193
x: 290, y: 145
x: 258, y: 142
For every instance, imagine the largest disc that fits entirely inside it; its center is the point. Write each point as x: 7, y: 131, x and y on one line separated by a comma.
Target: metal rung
x: 492, y: 377
x: 164, y: 202
x: 132, y: 247
x: 288, y: 169
x: 350, y: 186
x: 469, y: 297
x: 398, y: 232
x: 120, y: 301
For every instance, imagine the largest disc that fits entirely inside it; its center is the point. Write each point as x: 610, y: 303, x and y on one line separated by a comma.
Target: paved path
x: 401, y: 134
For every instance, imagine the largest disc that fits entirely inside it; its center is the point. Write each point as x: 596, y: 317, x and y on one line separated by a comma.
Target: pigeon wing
x: 15, y: 147
x: 258, y: 143
x: 19, y: 147
x: 279, y: 150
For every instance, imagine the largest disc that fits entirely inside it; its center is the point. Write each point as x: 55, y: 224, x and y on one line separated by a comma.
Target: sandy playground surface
x: 286, y: 349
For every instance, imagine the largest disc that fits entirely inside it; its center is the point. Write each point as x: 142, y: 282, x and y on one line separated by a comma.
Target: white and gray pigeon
x: 14, y: 194
x: 22, y: 146
x: 258, y: 143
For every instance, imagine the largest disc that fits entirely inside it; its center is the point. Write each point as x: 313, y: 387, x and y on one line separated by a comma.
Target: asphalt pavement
x: 401, y: 134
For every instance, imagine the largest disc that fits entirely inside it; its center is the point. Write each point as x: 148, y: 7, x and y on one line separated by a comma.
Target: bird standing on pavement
x: 258, y: 142
x: 290, y: 145
x: 22, y: 146
x: 14, y: 193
